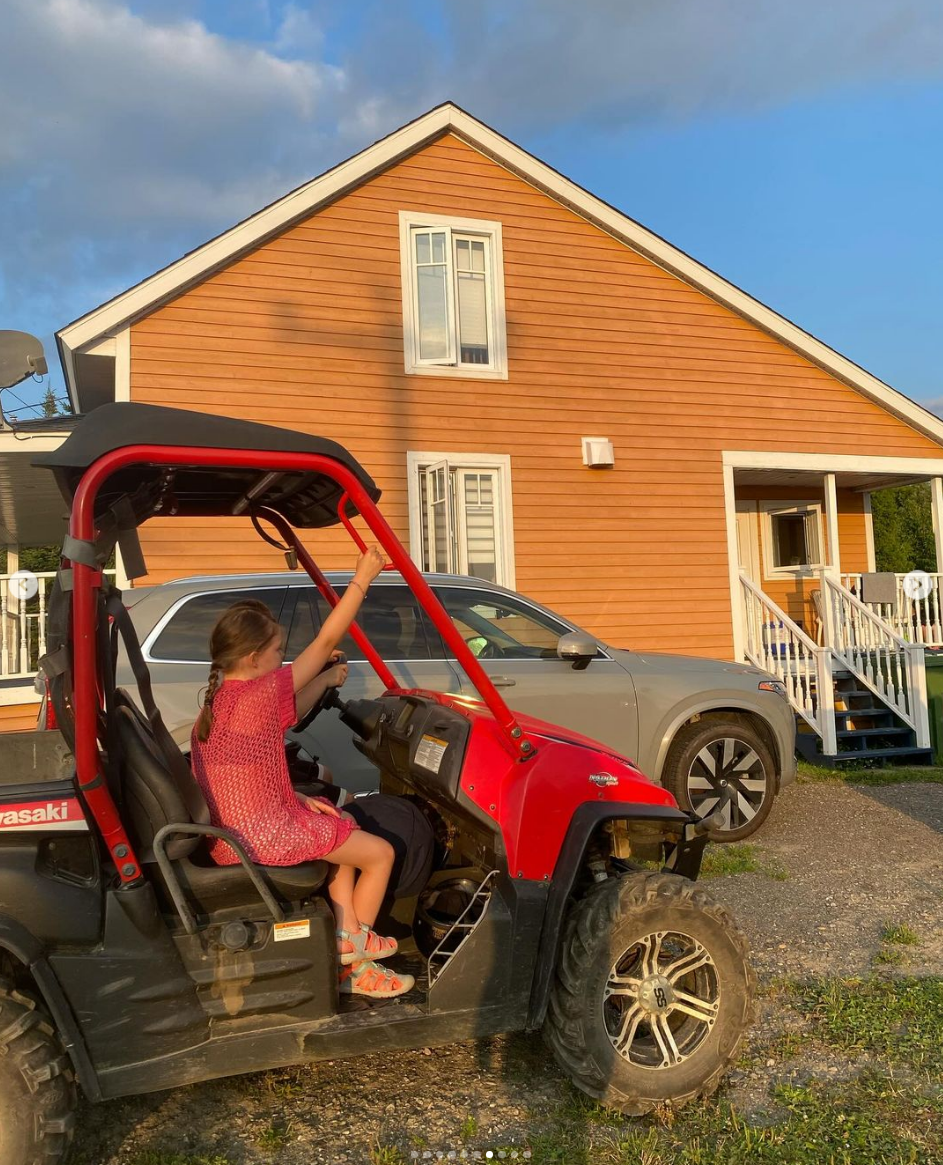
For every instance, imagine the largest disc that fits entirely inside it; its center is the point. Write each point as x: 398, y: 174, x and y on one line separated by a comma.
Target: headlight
x: 776, y: 686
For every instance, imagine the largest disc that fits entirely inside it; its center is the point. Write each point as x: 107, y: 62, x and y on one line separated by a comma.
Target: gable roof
x: 95, y: 329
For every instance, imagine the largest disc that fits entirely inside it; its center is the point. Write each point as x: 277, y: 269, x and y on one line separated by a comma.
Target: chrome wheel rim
x: 728, y: 774
x: 661, y: 1000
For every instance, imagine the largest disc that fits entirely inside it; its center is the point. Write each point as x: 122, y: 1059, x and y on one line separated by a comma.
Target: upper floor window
x: 453, y: 296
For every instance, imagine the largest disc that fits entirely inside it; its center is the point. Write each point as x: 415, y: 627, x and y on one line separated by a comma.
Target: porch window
x: 793, y: 538
x: 460, y: 515
x: 453, y: 296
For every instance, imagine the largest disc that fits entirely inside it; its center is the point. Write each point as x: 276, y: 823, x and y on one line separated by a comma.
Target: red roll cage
x: 86, y: 580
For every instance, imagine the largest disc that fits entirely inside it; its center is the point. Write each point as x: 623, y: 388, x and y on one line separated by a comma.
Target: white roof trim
x: 28, y: 443
x: 193, y: 267
x: 832, y: 462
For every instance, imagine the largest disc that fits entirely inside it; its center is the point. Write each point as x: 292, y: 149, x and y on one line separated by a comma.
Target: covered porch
x: 809, y: 606
x: 32, y: 513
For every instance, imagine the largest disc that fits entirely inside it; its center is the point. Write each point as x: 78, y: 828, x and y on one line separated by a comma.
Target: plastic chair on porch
x: 818, y: 613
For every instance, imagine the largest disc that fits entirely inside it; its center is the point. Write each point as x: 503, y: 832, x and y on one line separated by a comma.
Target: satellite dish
x: 21, y: 355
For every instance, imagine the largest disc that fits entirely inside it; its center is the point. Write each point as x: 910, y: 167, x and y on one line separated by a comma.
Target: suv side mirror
x: 577, y: 647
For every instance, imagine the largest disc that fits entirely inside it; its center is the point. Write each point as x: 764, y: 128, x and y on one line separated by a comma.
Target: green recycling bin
x: 934, y: 662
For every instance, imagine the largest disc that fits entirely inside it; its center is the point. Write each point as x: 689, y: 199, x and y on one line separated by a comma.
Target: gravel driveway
x: 855, y: 859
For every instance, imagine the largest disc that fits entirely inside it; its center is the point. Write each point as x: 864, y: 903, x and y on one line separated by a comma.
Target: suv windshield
x: 496, y: 626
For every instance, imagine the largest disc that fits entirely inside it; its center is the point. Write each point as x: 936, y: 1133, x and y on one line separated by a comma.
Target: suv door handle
x: 503, y: 681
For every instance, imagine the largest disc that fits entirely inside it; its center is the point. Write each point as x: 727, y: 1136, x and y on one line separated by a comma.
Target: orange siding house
x: 463, y: 318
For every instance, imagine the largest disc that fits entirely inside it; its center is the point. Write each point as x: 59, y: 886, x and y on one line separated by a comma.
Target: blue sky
x: 795, y: 149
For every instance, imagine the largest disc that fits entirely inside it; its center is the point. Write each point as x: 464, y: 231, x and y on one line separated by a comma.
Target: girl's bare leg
x: 340, y: 889
x: 374, y: 858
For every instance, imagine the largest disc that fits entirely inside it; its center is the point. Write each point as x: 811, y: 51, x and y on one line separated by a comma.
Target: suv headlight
x: 776, y: 686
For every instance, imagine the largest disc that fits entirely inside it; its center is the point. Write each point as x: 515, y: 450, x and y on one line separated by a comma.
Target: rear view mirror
x: 578, y: 648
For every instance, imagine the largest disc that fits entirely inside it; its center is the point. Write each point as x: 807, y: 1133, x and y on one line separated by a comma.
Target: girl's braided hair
x: 243, y: 628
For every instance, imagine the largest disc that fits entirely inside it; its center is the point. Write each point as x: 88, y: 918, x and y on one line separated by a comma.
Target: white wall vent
x: 598, y: 453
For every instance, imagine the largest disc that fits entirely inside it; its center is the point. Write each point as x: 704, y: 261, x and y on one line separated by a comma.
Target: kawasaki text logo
x: 49, y: 815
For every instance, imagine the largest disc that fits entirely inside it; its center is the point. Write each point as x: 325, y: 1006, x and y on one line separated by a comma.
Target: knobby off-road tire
x: 604, y: 934
x: 37, y: 1090
x: 711, y: 758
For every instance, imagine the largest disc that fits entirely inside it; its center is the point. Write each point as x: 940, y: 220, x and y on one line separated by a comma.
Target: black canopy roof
x: 305, y: 499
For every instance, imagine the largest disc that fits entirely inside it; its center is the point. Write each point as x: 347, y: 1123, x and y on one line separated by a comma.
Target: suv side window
x: 497, y: 627
x: 185, y: 638
x: 304, y: 625
x: 392, y: 620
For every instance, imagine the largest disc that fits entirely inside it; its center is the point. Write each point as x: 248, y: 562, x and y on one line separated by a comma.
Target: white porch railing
x: 877, y: 655
x: 23, y: 627
x: 778, y: 645
x: 915, y: 620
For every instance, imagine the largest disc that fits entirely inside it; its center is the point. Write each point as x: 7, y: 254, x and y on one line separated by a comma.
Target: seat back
x: 152, y: 796
x: 384, y: 629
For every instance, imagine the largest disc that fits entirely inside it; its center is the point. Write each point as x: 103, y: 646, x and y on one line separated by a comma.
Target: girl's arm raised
x: 310, y: 661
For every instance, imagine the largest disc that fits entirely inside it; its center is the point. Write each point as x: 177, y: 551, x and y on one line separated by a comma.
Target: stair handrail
x: 787, y: 621
x: 806, y: 660
x: 881, y: 659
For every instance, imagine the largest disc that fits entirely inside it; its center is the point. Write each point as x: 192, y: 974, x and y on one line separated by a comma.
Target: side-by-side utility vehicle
x: 561, y: 896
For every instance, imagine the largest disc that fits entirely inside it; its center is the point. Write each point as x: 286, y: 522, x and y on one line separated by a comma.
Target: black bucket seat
x: 155, y: 794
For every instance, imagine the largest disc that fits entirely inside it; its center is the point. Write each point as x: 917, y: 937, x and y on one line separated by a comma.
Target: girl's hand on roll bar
x: 369, y: 565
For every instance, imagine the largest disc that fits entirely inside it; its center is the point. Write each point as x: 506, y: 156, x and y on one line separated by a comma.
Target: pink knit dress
x: 243, y: 773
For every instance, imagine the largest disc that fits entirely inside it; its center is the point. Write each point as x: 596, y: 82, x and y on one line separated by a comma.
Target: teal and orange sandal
x: 369, y: 978
x: 367, y: 944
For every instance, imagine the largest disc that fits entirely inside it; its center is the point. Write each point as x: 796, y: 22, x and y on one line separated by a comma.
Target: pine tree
x: 50, y: 403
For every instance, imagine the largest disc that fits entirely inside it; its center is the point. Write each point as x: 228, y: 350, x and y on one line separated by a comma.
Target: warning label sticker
x: 430, y: 752
x: 283, y: 931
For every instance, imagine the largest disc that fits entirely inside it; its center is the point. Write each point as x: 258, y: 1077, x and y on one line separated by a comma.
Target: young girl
x: 238, y: 753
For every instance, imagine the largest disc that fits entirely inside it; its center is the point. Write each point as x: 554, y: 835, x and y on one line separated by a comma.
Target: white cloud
x: 125, y: 140
x: 547, y: 62
x: 299, y: 33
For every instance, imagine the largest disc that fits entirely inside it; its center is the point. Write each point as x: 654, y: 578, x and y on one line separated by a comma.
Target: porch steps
x: 868, y: 733
x: 860, y: 733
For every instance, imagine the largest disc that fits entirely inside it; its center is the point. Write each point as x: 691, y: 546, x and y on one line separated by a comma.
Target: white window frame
x: 504, y: 534
x: 771, y: 510
x: 497, y: 369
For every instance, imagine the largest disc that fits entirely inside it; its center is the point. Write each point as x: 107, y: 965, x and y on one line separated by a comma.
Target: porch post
x: 833, y: 560
x: 10, y: 607
x: 122, y: 582
x: 869, y: 532
x: 733, y: 564
x: 936, y: 497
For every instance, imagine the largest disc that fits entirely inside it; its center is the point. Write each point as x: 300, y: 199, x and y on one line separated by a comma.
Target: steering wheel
x: 330, y: 699
x: 490, y: 651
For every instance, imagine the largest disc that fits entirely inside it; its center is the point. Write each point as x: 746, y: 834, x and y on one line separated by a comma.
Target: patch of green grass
x: 276, y: 1136
x: 387, y: 1155
x: 810, y: 774
x: 902, y: 935
x: 468, y: 1128
x: 722, y: 860
x: 889, y: 958
x: 899, y: 1020
x: 868, y: 1120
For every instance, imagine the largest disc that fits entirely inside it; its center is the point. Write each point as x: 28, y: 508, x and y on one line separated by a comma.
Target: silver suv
x: 718, y: 735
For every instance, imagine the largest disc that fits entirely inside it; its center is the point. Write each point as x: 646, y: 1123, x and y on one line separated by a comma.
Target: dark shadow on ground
x: 922, y: 802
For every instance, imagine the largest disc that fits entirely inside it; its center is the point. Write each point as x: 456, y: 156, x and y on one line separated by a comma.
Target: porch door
x: 748, y: 540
